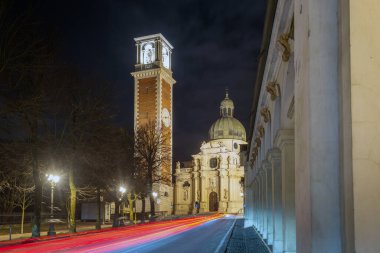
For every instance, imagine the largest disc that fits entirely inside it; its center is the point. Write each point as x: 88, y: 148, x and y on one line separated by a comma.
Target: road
x: 196, y: 234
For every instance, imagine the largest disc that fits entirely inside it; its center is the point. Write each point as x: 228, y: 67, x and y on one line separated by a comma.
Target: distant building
x: 213, y: 180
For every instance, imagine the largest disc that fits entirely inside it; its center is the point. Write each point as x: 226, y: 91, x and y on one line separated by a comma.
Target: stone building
x: 313, y: 170
x: 215, y: 175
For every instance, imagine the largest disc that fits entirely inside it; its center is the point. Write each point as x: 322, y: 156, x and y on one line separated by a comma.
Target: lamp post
x: 122, y: 190
x: 53, y: 180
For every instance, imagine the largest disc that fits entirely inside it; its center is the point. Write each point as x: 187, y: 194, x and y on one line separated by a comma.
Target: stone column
x: 285, y: 141
x: 317, y: 126
x: 255, y: 203
x: 274, y: 157
x: 204, y: 198
x: 259, y: 202
x: 264, y: 201
x: 197, y: 190
x: 249, y: 202
x: 269, y: 203
x: 248, y: 197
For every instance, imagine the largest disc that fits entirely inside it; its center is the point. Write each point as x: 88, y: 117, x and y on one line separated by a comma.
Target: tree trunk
x: 152, y: 208
x: 99, y: 206
x: 130, y: 202
x: 143, y: 209
x: 23, y: 213
x: 73, y: 202
x: 36, y: 220
x: 116, y: 216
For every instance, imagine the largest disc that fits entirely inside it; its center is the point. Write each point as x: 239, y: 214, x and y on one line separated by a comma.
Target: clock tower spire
x: 154, y: 100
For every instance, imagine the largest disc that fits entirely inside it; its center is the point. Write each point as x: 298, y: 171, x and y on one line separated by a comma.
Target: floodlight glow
x: 53, y: 178
x: 154, y: 194
x: 241, y: 194
x: 122, y: 189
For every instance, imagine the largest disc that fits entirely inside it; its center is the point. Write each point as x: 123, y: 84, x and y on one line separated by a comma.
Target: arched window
x: 229, y: 111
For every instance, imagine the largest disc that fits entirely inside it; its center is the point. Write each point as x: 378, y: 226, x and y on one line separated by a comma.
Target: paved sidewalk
x: 245, y: 240
x: 80, y: 228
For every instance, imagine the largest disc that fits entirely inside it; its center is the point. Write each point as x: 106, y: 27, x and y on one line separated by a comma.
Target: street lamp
x: 154, y: 194
x: 53, y: 180
x: 122, y: 190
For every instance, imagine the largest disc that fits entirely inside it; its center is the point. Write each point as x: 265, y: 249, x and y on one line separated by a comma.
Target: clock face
x: 148, y: 53
x: 166, y: 117
x: 165, y: 57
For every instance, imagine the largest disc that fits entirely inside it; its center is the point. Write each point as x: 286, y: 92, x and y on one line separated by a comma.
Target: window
x: 213, y: 162
x: 229, y: 111
x: 235, y: 145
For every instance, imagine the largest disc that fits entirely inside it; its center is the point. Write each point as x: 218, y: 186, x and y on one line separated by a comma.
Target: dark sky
x: 216, y: 45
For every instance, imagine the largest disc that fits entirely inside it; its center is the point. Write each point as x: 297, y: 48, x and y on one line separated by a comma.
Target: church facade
x: 213, y: 180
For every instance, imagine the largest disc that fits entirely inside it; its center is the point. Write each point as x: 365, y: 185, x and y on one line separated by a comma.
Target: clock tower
x: 154, y: 101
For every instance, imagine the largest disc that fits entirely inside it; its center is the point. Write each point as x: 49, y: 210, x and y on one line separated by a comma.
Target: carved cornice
x: 265, y: 113
x: 154, y: 73
x: 273, y: 89
x: 283, y: 41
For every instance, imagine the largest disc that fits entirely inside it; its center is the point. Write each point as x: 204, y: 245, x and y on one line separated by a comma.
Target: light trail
x: 109, y: 240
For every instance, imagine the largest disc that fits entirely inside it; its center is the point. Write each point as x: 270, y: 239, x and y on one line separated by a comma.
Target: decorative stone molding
x: 261, y: 131
x: 291, y: 109
x: 273, y: 88
x: 258, y: 142
x: 255, y: 151
x: 283, y: 41
x: 265, y: 113
x: 252, y: 162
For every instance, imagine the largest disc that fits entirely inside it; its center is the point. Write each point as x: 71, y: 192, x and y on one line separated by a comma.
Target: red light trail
x: 108, y: 240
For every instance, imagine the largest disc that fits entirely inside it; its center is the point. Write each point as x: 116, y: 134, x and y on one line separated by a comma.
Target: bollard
x: 10, y: 232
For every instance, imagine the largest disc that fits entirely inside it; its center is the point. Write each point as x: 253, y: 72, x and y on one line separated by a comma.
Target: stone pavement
x: 245, y: 240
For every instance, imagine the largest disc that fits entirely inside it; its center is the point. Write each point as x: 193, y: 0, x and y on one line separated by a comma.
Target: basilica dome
x: 227, y: 127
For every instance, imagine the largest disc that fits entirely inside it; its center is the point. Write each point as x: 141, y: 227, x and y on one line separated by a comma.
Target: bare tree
x: 24, y: 197
x: 152, y: 153
x: 25, y: 57
x: 17, y: 187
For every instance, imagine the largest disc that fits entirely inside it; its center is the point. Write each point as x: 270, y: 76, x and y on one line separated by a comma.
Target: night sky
x: 216, y: 45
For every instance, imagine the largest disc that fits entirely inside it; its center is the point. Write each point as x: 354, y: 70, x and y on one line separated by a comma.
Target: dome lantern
x: 227, y: 106
x: 227, y: 127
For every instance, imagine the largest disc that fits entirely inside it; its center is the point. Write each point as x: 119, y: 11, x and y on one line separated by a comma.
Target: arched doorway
x: 213, y: 202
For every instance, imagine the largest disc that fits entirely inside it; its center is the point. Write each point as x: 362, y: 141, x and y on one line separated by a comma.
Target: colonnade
x: 273, y: 195
x: 315, y: 188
